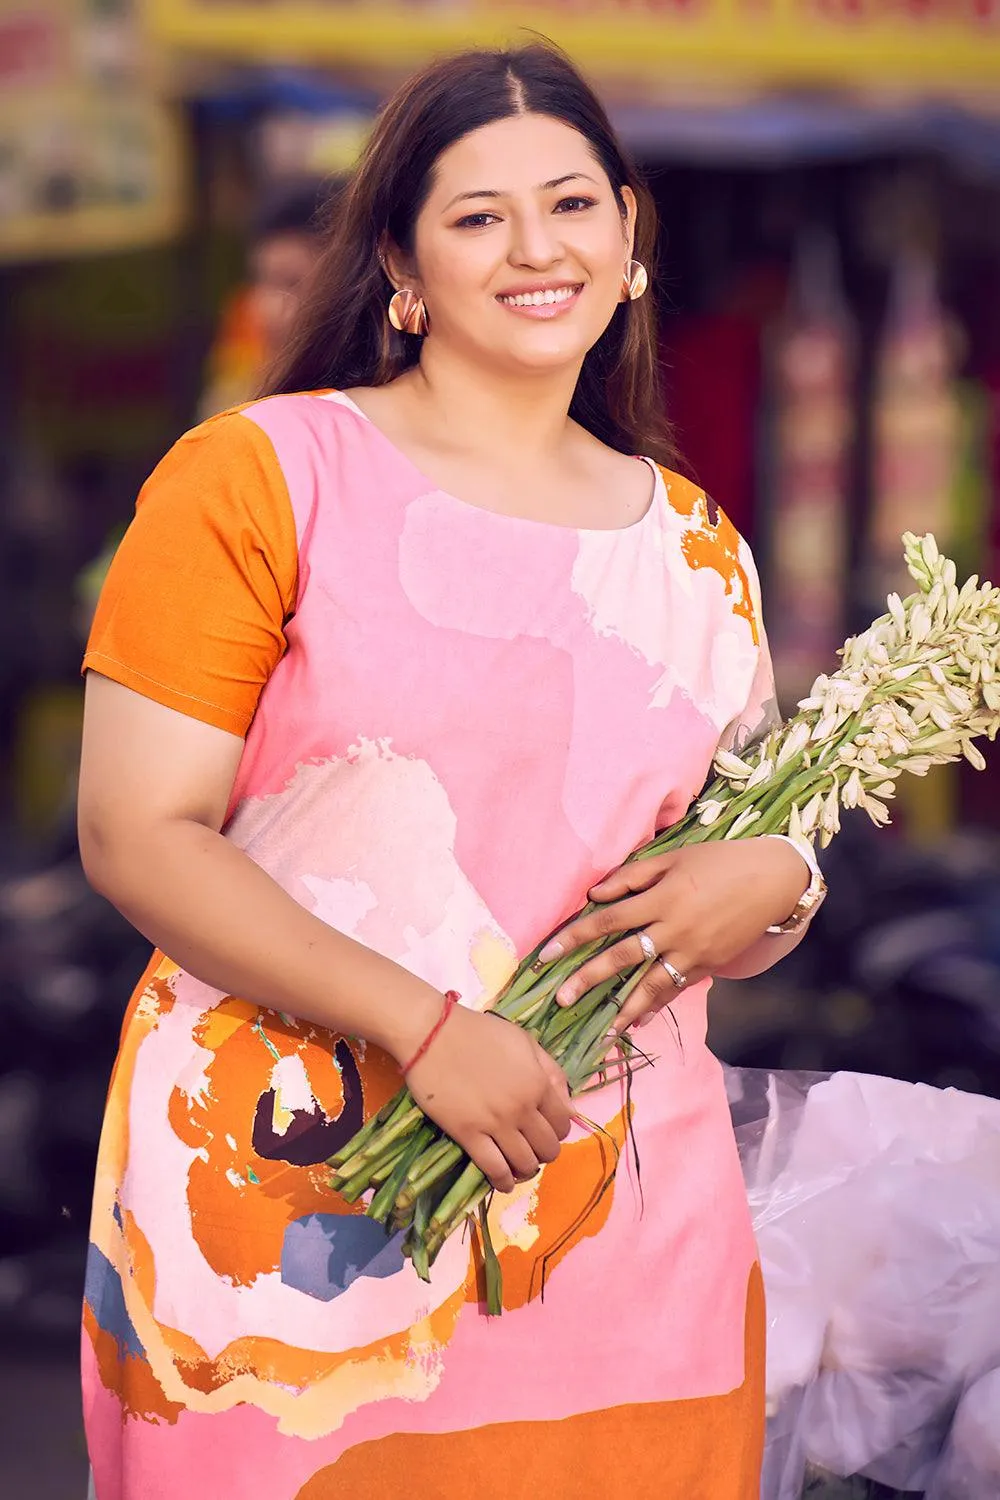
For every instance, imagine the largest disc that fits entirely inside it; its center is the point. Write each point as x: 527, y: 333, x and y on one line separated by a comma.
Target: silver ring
x: 648, y: 946
x: 679, y: 979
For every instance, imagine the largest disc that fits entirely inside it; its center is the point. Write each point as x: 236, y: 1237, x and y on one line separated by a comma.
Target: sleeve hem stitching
x: 229, y: 713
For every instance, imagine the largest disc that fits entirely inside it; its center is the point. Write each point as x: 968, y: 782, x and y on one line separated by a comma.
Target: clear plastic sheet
x: 877, y: 1210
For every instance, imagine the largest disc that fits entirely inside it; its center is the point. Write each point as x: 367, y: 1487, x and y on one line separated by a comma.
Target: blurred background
x: 828, y: 178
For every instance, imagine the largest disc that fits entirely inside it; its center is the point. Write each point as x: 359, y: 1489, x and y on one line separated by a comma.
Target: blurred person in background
x: 286, y: 243
x: 391, y: 668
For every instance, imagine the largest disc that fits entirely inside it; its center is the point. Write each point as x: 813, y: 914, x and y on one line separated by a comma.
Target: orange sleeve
x: 193, y: 610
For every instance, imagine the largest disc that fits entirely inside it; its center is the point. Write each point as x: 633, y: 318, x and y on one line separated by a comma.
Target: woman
x: 391, y: 667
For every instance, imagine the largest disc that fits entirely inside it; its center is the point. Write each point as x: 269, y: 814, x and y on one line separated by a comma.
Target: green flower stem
x: 525, y: 975
x: 374, y: 1168
x: 527, y: 1002
x: 384, y: 1201
x: 397, y: 1104
x: 564, y: 1019
x: 590, y: 1034
x: 806, y: 784
x: 775, y: 820
x: 491, y: 1264
x: 388, y: 1163
x: 377, y: 1147
x: 431, y: 1171
x: 440, y: 1147
x: 354, y: 1187
x: 465, y: 1207
x: 468, y: 1183
x: 417, y: 1236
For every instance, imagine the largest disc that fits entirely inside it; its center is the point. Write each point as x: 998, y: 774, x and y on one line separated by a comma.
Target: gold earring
x: 408, y: 313
x: 634, y: 281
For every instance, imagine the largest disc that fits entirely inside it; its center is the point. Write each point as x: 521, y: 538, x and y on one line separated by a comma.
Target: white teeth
x: 540, y: 299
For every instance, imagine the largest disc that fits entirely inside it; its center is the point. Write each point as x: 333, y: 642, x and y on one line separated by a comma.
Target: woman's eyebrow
x: 542, y: 187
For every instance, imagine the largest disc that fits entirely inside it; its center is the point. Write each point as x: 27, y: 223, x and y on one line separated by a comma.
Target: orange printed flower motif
x: 536, y: 1226
x: 712, y: 541
x: 277, y: 1099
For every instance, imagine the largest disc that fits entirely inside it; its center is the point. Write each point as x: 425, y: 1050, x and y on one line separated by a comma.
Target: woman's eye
x: 574, y: 205
x: 475, y: 221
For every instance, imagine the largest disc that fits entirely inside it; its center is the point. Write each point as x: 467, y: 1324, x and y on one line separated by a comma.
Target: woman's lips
x: 550, y: 303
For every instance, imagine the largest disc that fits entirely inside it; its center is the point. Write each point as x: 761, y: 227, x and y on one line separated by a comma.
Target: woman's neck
x: 523, y: 417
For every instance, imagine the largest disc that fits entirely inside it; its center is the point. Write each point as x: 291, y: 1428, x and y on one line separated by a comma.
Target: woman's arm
x: 154, y: 788
x: 764, y: 953
x: 772, y: 947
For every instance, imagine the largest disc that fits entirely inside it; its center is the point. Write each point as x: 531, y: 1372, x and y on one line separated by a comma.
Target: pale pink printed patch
x: 394, y: 832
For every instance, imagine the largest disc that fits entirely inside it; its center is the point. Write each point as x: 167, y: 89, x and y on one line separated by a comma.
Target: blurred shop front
x: 828, y: 176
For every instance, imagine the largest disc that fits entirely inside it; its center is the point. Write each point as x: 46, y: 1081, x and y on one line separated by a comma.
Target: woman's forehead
x: 518, y: 154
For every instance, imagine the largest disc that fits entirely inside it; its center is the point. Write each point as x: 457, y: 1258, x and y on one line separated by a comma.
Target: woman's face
x: 520, y: 247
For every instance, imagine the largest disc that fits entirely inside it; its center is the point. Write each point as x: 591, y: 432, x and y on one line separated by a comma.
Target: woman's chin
x: 547, y: 351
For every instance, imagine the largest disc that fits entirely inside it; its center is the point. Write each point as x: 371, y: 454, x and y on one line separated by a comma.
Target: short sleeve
x: 193, y: 611
x: 760, y: 713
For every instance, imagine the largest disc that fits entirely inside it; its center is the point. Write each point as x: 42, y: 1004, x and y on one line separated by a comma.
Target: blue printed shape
x: 322, y: 1254
x: 103, y: 1294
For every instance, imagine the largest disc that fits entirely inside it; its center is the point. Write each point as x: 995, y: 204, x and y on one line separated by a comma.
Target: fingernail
x: 550, y: 951
x: 566, y: 995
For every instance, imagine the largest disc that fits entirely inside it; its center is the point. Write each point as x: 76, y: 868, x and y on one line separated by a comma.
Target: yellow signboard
x: 89, y: 157
x: 937, y: 44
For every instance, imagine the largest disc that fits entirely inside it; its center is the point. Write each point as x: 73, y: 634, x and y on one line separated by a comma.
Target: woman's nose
x: 535, y: 241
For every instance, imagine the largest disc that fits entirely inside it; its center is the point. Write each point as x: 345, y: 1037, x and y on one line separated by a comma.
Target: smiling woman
x: 391, y: 667
x: 458, y: 160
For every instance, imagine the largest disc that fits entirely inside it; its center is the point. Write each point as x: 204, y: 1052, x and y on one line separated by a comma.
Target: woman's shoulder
x: 697, y: 509
x: 287, y: 409
x: 710, y: 546
x: 273, y: 434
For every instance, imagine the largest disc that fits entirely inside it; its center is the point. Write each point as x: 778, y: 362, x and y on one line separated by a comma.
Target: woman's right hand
x: 494, y: 1090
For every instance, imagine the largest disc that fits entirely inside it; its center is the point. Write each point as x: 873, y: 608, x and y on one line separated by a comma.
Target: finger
x: 555, y: 1106
x: 517, y: 1150
x: 654, y: 992
x: 554, y: 1074
x: 621, y: 916
x: 541, y: 1138
x: 492, y: 1163
x: 621, y: 956
x: 637, y: 875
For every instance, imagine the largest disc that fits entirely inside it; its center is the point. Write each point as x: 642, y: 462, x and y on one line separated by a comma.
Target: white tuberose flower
x: 794, y: 743
x: 728, y: 764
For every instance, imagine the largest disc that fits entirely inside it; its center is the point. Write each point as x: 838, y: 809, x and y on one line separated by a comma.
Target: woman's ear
x: 399, y: 268
x: 631, y: 210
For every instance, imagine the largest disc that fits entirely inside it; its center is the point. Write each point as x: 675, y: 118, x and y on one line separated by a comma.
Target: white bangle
x: 812, y: 897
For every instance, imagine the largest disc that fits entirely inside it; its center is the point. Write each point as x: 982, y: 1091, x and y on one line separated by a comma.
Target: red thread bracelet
x: 451, y: 999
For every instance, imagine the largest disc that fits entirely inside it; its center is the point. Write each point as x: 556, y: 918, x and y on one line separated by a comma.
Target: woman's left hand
x: 699, y: 908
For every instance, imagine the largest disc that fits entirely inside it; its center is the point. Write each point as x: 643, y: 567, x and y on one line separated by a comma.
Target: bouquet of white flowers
x: 915, y: 690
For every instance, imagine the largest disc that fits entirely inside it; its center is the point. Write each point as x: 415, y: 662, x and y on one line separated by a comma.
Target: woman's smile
x: 541, y: 299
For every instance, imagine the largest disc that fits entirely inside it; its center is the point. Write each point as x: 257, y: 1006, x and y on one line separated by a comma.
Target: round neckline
x: 341, y: 398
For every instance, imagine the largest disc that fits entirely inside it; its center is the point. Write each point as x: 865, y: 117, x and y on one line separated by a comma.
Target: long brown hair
x: 342, y: 337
